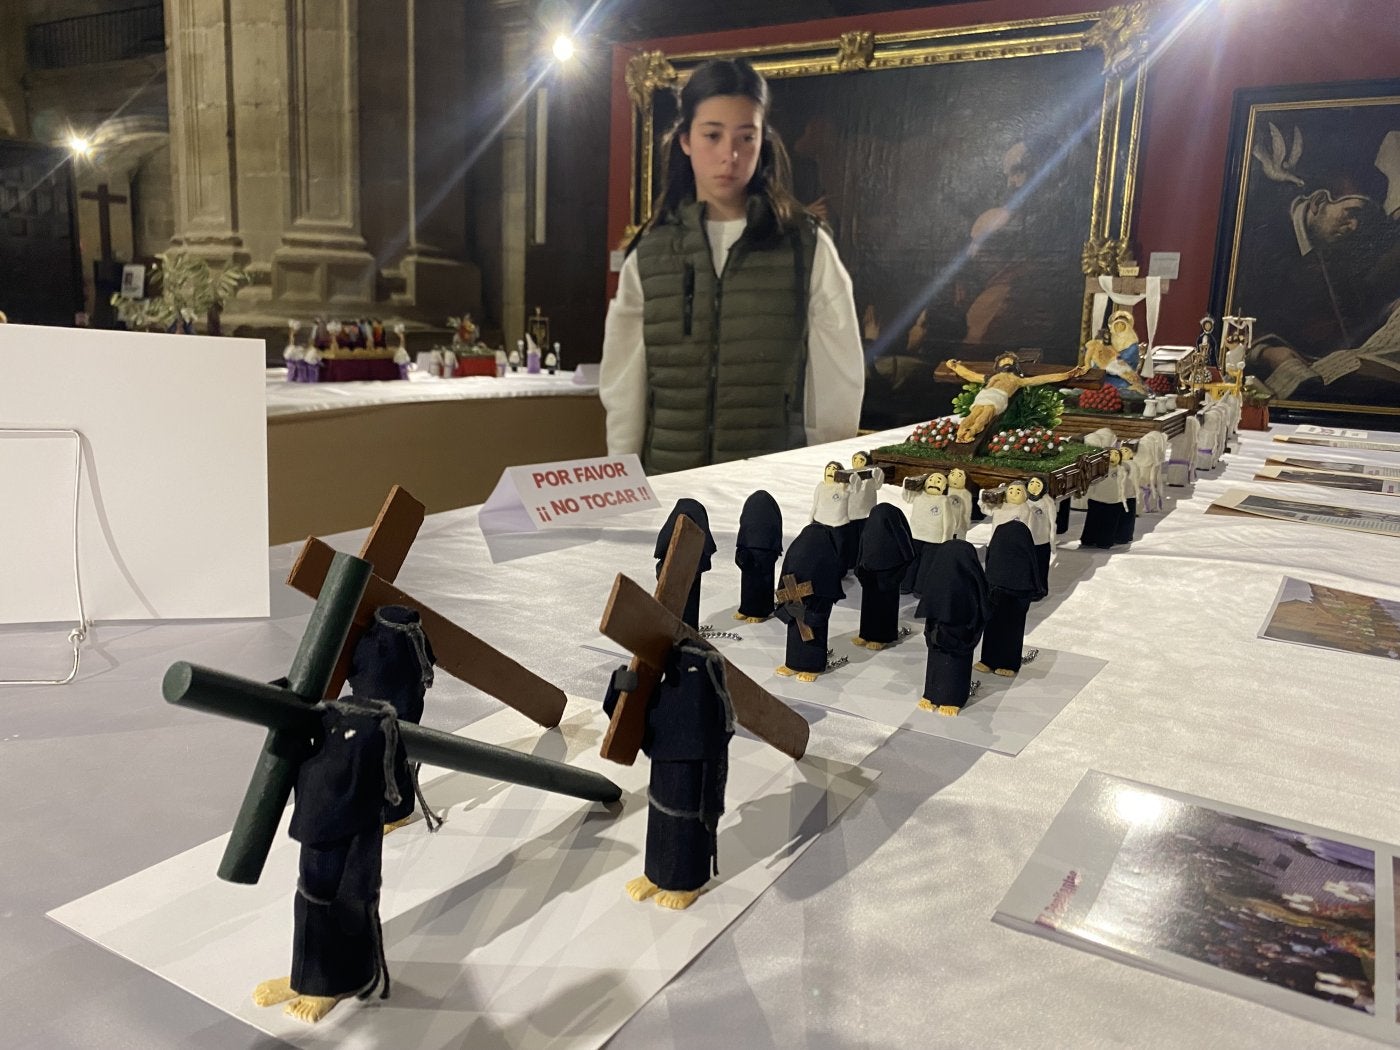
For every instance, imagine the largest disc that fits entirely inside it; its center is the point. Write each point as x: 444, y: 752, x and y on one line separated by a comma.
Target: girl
x: 734, y: 332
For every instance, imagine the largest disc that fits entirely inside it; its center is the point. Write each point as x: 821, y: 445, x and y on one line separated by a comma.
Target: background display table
x: 880, y: 934
x: 333, y: 449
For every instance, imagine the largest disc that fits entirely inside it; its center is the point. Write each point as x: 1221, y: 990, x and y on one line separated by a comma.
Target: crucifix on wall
x: 105, y: 199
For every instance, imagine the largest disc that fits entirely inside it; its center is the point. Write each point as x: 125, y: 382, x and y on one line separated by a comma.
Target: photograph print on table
x: 1281, y: 913
x: 1331, y: 618
x: 1355, y: 519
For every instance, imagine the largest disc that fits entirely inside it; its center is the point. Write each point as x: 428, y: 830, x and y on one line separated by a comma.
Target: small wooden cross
x: 104, y: 200
x: 459, y: 652
x: 790, y: 595
x: 292, y: 723
x: 650, y: 626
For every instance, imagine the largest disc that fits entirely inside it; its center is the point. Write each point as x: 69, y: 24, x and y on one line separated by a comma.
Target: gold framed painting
x: 1309, y: 242
x: 970, y: 177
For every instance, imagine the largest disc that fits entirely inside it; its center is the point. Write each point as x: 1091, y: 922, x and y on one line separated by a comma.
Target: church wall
x: 13, y: 120
x: 1229, y: 44
x: 153, y: 219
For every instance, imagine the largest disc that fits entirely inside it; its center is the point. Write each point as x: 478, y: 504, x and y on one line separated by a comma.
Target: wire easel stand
x: 78, y: 634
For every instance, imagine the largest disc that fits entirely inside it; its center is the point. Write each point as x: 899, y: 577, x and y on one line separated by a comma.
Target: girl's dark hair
x: 773, y: 176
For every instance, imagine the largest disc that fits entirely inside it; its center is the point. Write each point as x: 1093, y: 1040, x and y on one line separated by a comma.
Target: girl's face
x: 723, y: 145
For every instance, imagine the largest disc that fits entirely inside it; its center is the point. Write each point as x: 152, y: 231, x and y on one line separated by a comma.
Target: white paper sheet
x: 510, y: 926
x: 174, y: 496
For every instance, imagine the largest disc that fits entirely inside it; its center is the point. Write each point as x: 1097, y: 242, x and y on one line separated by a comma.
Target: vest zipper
x: 688, y: 314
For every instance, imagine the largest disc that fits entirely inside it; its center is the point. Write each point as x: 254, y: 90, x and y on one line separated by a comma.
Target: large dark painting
x: 1310, y: 242
x: 970, y: 181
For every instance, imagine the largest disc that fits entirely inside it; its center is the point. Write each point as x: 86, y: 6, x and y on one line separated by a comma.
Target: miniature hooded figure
x: 1041, y: 522
x: 865, y: 493
x: 756, y: 552
x: 1014, y: 581
x: 954, y: 607
x: 814, y: 562
x: 886, y: 552
x: 356, y: 781
x: 695, y: 511
x: 1107, y: 500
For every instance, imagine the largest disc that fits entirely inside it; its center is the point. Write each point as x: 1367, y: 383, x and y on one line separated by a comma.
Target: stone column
x: 13, y: 121
x: 323, y: 259
x: 518, y: 47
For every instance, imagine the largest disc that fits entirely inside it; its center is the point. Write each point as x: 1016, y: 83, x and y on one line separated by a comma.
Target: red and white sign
x: 577, y: 492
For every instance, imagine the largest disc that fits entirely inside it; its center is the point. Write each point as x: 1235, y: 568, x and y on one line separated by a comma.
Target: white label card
x: 557, y: 495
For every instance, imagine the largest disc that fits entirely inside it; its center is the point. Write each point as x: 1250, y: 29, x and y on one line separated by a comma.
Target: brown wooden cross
x: 790, y: 595
x: 649, y: 626
x: 459, y: 652
x: 104, y: 199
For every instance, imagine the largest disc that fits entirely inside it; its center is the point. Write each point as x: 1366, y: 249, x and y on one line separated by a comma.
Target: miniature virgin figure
x: 1014, y: 581
x: 886, y: 552
x: 810, y: 586
x: 954, y: 608
x: 756, y: 552
x: 695, y: 511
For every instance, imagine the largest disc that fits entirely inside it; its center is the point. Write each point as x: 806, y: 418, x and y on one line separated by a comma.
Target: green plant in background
x: 186, y: 288
x: 1032, y: 406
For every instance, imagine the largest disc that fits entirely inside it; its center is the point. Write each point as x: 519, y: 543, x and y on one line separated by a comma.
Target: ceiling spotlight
x: 563, y: 47
x: 80, y: 146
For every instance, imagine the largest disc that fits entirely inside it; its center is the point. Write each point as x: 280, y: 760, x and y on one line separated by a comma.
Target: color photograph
x: 1330, y: 618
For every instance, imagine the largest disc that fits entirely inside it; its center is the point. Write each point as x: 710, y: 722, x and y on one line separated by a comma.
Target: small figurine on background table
x: 532, y: 356
x: 501, y: 362
x: 810, y: 584
x: 1041, y: 521
x: 350, y: 792
x: 1118, y: 351
x: 959, y: 503
x: 294, y: 355
x: 930, y: 520
x: 831, y: 504
x: 695, y: 511
x: 1014, y: 580
x: 886, y: 552
x: 516, y: 355
x: 756, y: 552
x: 864, y: 494
x: 689, y: 724
x: 954, y: 607
x: 1107, y: 502
x: 551, y: 360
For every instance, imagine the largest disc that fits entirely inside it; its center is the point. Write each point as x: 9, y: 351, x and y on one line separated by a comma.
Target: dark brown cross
x: 651, y: 626
x: 791, y: 595
x: 459, y: 652
x: 104, y: 201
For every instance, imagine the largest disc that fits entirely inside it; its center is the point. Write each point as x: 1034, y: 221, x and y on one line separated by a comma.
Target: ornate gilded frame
x: 1121, y: 33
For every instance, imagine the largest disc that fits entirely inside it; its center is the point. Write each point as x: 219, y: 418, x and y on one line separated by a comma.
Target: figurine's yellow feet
x: 398, y: 824
x: 311, y: 1008
x: 875, y: 647
x: 949, y: 710
x: 925, y: 704
x: 785, y: 671
x: 740, y: 616
x: 980, y: 666
x: 755, y: 619
x: 807, y: 676
x: 677, y: 899
x: 640, y: 888
x: 1004, y: 672
x: 858, y: 640
x: 270, y: 993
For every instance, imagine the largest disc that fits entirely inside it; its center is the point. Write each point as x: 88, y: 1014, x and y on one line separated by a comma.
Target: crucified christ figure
x: 998, y: 388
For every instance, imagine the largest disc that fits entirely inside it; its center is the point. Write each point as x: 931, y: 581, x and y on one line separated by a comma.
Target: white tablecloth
x: 880, y: 936
x: 284, y: 399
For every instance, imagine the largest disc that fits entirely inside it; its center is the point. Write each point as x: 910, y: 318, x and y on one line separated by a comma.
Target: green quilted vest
x: 726, y: 356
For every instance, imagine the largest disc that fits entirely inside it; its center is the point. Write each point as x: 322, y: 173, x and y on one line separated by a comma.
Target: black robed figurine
x: 689, y: 724
x: 756, y: 552
x: 814, y: 563
x: 383, y: 669
x: 1014, y: 580
x: 695, y: 511
x: 954, y: 607
x: 886, y: 551
x: 355, y: 783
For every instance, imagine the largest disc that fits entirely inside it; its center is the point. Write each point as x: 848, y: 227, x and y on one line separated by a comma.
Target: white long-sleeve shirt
x: 835, y: 380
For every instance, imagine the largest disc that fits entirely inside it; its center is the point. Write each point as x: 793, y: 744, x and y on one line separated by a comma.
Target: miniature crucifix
x: 339, y: 756
x: 791, y: 595
x: 459, y: 652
